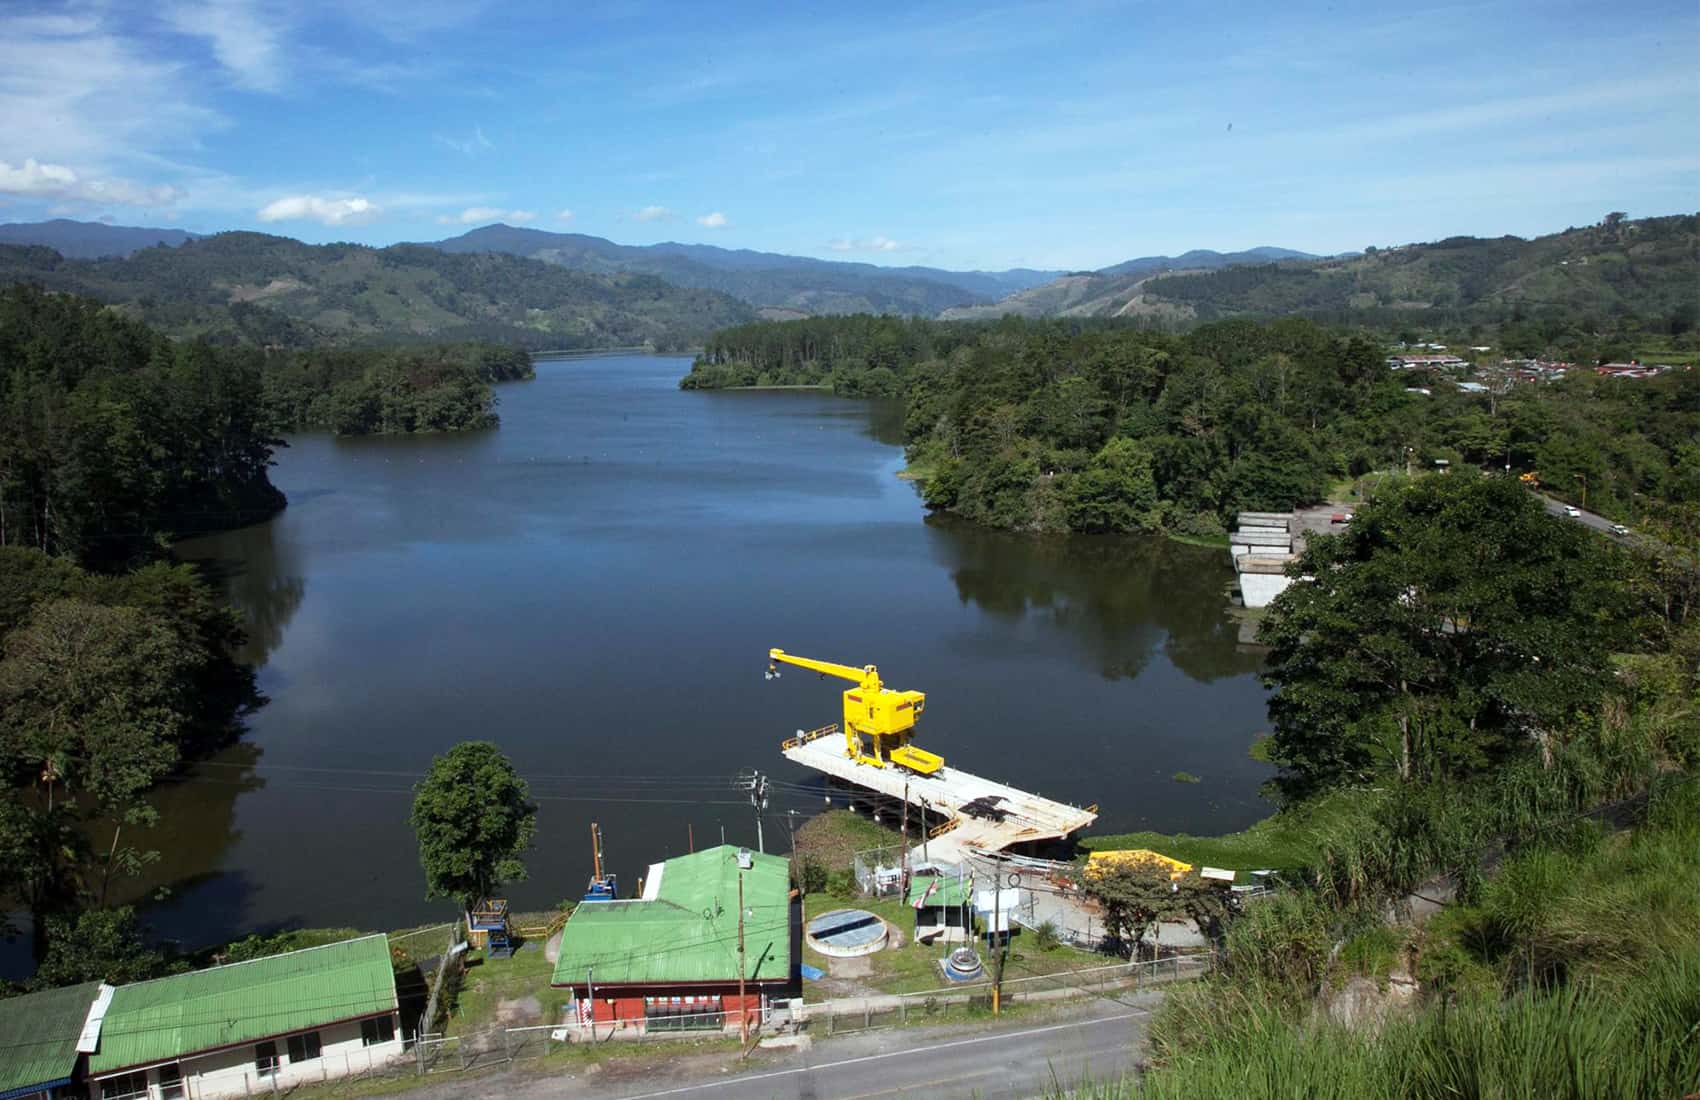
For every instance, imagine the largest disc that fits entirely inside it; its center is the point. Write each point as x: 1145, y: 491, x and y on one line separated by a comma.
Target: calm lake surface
x: 594, y: 586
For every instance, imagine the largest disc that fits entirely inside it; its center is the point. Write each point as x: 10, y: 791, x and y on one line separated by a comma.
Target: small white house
x: 250, y: 1028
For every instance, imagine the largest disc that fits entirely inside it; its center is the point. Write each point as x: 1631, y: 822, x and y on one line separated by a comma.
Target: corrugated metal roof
x: 242, y: 1002
x: 951, y: 891
x: 38, y: 1035
x: 689, y: 933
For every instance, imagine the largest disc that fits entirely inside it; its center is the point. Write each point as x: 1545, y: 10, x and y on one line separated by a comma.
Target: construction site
x: 871, y: 749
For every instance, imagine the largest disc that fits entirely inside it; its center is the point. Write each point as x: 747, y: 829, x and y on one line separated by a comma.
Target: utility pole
x: 756, y: 785
x: 743, y: 1009
x: 791, y: 824
x: 590, y: 995
x: 904, y: 877
x: 997, y: 920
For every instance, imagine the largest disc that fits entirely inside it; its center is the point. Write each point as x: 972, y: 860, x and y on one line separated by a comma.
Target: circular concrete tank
x: 847, y: 933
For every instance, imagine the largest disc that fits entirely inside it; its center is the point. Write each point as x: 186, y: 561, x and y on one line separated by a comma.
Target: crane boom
x: 872, y: 710
x: 868, y: 676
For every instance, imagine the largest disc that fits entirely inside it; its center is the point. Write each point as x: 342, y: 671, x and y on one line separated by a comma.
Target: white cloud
x: 868, y: 244
x: 469, y: 146
x: 243, y: 40
x: 482, y: 215
x: 716, y: 220
x: 56, y: 181
x: 351, y: 211
x: 564, y: 216
x: 654, y: 214
x: 72, y: 91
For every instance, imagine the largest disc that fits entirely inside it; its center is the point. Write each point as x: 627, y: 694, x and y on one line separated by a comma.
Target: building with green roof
x: 668, y: 960
x: 249, y: 1027
x: 943, y: 907
x: 38, y: 1040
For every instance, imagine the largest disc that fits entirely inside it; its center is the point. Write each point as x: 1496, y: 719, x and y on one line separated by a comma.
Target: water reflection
x: 197, y: 826
x: 1119, y: 599
x: 260, y: 572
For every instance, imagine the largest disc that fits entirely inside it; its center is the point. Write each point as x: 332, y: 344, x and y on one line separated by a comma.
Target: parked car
x: 1619, y: 530
x: 1572, y: 511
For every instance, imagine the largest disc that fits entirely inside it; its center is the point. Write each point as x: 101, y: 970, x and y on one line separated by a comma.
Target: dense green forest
x: 113, y: 438
x: 1486, y: 712
x: 115, y: 665
x: 1093, y: 426
x: 250, y: 288
x: 407, y: 389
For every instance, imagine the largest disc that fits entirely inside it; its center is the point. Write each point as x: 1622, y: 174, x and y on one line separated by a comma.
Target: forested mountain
x: 1204, y: 259
x: 90, y: 240
x: 763, y: 279
x: 1621, y: 276
x: 1112, y: 291
x: 1084, y: 425
x: 1645, y: 271
x: 274, y: 291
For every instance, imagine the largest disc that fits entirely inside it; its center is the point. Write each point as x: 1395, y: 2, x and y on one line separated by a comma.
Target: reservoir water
x: 594, y: 586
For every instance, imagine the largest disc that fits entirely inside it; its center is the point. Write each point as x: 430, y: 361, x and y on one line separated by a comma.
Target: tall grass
x: 1582, y: 1042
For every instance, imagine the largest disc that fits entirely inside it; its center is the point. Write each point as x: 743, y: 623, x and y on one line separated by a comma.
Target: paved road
x: 1587, y: 519
x: 1095, y: 1040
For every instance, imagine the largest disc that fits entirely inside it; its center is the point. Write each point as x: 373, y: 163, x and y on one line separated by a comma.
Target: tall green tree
x: 1454, y: 623
x: 1135, y: 897
x: 474, y: 818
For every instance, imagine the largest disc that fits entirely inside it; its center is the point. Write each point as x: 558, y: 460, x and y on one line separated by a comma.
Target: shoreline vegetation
x: 1092, y: 425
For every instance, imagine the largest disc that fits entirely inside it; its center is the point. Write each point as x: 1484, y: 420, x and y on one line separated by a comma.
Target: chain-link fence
x: 879, y: 871
x: 893, y: 1010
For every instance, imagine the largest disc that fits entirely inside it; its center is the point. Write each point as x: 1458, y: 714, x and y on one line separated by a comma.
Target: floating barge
x: 978, y: 813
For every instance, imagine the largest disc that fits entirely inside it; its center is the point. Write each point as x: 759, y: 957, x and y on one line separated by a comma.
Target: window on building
x: 380, y: 1029
x: 303, y: 1047
x: 265, y: 1058
x: 130, y: 1086
x: 683, y: 1014
x: 171, y: 1082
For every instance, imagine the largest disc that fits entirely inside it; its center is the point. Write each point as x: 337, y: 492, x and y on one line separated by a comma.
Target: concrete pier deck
x: 1020, y: 816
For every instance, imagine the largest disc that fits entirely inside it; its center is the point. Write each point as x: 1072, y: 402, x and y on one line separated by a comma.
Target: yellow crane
x: 885, y: 717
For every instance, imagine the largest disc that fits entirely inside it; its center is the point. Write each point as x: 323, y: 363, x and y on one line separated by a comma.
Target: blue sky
x: 1064, y: 134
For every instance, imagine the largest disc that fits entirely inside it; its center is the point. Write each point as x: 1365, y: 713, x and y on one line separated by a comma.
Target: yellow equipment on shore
x: 1100, y: 862
x: 885, y: 717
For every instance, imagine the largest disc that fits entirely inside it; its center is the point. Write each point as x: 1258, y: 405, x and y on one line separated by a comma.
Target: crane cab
x: 886, y: 718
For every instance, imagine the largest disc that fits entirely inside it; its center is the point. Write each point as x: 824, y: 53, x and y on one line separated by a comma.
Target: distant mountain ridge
x: 769, y: 280
x: 1113, y: 291
x: 1205, y: 259
x: 91, y: 240
x: 1647, y: 268
x: 258, y: 289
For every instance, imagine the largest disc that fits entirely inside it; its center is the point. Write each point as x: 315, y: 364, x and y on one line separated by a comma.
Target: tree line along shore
x: 1469, y: 692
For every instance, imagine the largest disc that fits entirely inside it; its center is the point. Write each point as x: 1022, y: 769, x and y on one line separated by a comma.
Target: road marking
x: 889, y: 1054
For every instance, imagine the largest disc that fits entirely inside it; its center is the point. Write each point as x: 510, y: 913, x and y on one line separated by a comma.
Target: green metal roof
x: 242, y: 1002
x: 689, y: 932
x: 38, y: 1035
x: 951, y: 891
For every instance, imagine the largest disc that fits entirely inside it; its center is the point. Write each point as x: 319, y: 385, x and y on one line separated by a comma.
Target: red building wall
x: 625, y: 1006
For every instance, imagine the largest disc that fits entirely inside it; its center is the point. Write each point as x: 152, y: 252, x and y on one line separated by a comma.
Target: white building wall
x: 232, y: 1072
x: 1260, y: 589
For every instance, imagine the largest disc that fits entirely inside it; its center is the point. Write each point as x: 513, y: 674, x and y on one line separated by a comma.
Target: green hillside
x: 258, y: 289
x: 1619, y: 276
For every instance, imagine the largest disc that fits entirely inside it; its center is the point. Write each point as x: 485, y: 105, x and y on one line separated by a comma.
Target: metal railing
x: 804, y: 738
